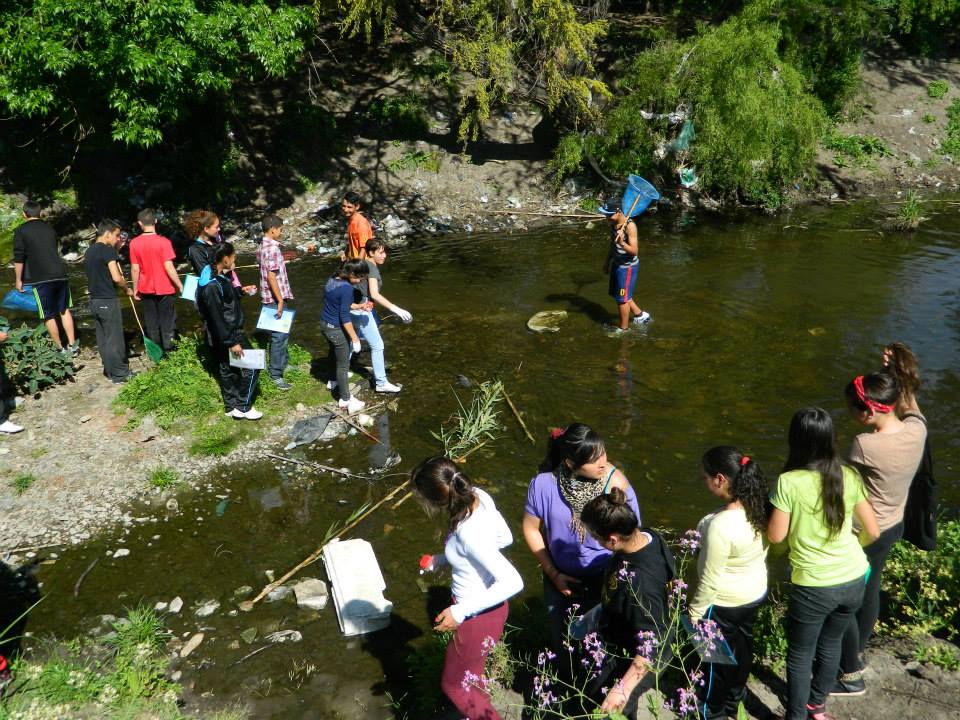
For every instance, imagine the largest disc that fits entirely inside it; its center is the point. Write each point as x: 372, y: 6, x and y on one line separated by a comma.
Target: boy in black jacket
x: 219, y: 304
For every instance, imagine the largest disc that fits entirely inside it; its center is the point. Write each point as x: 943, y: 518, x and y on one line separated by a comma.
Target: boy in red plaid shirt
x: 275, y: 289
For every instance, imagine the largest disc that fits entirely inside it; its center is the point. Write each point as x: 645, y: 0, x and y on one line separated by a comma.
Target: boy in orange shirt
x: 358, y: 228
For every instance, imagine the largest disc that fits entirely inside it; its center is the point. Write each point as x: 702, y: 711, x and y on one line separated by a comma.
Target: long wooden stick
x: 317, y: 466
x: 544, y: 214
x: 471, y: 451
x: 247, y: 605
x: 516, y: 414
x: 401, y: 501
x: 347, y: 419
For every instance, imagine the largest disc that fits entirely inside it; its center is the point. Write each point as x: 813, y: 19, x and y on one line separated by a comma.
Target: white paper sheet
x: 252, y: 360
x: 268, y: 320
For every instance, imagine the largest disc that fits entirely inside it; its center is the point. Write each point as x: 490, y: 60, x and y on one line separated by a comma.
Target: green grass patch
x: 951, y: 143
x: 855, y: 149
x: 937, y: 89
x: 928, y: 119
x: 910, y: 213
x: 22, y: 483
x: 164, y: 477
x: 181, y: 394
x: 942, y: 656
x: 417, y: 160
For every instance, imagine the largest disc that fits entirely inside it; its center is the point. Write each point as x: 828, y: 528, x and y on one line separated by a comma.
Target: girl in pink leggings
x: 483, y: 579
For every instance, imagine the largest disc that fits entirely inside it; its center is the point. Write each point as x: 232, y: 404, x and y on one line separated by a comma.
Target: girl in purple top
x: 574, y: 472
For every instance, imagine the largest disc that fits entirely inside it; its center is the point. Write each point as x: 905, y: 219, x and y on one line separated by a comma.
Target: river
x: 753, y: 318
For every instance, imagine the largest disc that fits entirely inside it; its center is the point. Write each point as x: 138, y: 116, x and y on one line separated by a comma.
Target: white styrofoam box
x: 357, y: 586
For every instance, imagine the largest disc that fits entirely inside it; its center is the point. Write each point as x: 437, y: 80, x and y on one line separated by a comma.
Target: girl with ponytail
x: 483, y: 579
x: 732, y: 570
x: 633, y: 599
x: 814, y: 502
x: 887, y: 456
x: 574, y: 472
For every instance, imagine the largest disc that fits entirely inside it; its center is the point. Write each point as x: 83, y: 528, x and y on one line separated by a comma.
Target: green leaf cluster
x: 135, y: 65
x: 32, y: 360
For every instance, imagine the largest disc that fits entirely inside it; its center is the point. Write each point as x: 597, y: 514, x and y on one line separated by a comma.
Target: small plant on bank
x: 859, y: 149
x: 770, y: 634
x: 417, y: 160
x: 937, y: 89
x: 32, y: 360
x: 942, y: 656
x: 951, y: 143
x: 164, y: 477
x: 928, y: 119
x: 910, y: 214
x: 924, y: 587
x: 404, y: 114
x: 22, y: 483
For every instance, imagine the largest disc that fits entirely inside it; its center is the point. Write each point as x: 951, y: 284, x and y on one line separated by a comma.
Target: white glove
x: 404, y: 316
x: 355, y: 345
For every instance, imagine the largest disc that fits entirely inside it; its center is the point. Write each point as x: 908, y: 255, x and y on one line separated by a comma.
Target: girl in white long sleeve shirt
x: 483, y: 579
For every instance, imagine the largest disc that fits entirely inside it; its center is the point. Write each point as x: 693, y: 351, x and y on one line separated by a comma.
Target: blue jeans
x: 816, y: 621
x: 279, y: 357
x: 366, y: 327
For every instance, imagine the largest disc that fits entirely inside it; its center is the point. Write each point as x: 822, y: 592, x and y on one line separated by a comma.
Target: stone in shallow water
x: 282, y: 636
x: 547, y: 321
x: 279, y: 593
x: 207, y: 608
x: 311, y: 593
x: 191, y: 645
x: 176, y: 605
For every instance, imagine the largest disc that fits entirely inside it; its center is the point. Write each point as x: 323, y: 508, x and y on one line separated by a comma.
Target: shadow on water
x: 20, y: 592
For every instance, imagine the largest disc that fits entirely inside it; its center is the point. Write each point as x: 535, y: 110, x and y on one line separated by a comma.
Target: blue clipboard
x: 190, y: 284
x: 269, y: 322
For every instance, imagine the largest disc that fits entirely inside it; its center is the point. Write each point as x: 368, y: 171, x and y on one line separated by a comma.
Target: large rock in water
x: 547, y: 321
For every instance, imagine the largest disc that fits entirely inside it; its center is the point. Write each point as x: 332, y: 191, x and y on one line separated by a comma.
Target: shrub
x: 859, y: 148
x: 403, y: 114
x: 757, y: 125
x: 770, y: 633
x: 924, y: 587
x: 951, y: 144
x: 937, y: 89
x: 33, y: 361
x: 910, y: 214
x: 164, y: 478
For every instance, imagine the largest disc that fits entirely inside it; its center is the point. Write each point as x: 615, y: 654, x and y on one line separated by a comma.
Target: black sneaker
x: 849, y: 685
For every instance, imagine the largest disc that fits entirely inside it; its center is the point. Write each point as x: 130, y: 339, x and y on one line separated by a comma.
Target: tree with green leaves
x: 133, y: 67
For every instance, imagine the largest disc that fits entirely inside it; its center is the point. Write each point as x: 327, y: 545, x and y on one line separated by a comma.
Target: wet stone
x: 176, y: 605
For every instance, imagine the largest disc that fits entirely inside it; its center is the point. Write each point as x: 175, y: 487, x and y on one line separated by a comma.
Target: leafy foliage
x: 164, y: 477
x: 924, y: 587
x: 136, y: 65
x: 858, y: 148
x: 757, y: 125
x: 470, y: 427
x: 951, y: 143
x: 937, y: 89
x: 22, y: 483
x: 33, y: 361
x: 910, y: 213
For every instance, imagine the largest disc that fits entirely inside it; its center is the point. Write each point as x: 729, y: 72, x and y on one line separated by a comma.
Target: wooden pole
x: 516, y: 414
x: 317, y: 466
x: 544, y: 214
x: 347, y: 419
x: 247, y: 605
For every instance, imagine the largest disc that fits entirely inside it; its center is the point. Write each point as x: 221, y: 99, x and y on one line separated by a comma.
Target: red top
x: 150, y: 251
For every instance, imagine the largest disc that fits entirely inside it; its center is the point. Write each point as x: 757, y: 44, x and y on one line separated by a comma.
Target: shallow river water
x: 753, y: 317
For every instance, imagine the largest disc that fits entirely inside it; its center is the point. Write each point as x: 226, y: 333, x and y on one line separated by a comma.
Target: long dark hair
x: 443, y: 486
x: 224, y: 250
x: 747, y: 482
x: 813, y: 446
x: 353, y: 268
x: 609, y: 514
x: 903, y: 364
x: 878, y: 387
x: 576, y: 443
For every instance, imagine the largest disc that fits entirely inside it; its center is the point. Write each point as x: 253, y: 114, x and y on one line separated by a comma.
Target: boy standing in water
x: 358, y: 228
x: 623, y: 264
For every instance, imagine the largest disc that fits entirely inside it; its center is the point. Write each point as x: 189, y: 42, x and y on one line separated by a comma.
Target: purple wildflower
x: 690, y: 542
x: 687, y: 702
x: 708, y: 633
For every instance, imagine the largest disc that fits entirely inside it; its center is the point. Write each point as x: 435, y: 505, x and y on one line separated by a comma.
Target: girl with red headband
x: 732, y: 567
x: 887, y: 457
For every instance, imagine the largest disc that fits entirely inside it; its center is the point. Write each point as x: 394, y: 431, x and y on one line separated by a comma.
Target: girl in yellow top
x: 733, y: 570
x: 814, y: 502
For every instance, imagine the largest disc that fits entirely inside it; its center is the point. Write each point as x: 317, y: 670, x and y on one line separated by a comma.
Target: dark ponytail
x: 609, y: 514
x: 443, y: 486
x: 903, y: 364
x: 224, y: 250
x: 813, y: 446
x: 576, y: 443
x: 353, y: 268
x: 747, y: 482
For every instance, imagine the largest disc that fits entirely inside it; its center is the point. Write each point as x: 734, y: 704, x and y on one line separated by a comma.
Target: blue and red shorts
x: 623, y: 278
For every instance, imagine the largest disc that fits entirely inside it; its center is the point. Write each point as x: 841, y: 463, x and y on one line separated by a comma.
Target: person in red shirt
x: 155, y: 280
x: 358, y: 228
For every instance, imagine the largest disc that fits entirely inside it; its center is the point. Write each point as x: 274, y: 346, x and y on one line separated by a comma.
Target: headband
x: 744, y: 460
x: 862, y: 397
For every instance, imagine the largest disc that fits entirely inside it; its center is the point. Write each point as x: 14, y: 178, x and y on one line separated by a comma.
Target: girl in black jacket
x: 218, y: 301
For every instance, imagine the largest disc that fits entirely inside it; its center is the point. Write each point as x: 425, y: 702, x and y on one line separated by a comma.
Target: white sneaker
x: 643, y: 318
x: 10, y: 428
x: 352, y: 405
x: 236, y: 414
x: 389, y: 387
x: 332, y: 384
x: 252, y: 414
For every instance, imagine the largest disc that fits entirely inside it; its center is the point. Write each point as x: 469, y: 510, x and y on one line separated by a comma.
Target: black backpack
x: 920, y: 514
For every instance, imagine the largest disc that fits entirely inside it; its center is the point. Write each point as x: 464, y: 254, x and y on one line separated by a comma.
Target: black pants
x: 238, y: 386
x: 861, y: 625
x: 726, y: 685
x: 7, y: 394
x: 338, y: 359
x: 160, y: 319
x: 110, y: 343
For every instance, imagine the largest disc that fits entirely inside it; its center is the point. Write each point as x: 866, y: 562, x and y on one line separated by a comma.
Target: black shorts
x: 53, y: 298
